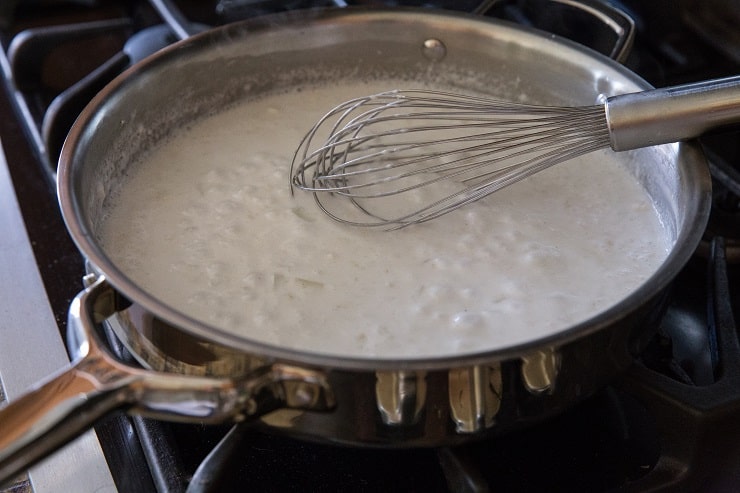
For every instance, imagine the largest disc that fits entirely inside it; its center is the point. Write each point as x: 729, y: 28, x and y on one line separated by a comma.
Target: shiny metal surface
x: 671, y: 114
x: 215, y: 69
x: 376, y: 147
x: 229, y: 64
x: 613, y: 17
x: 69, y: 402
x: 401, y: 396
x: 540, y: 370
x: 475, y: 395
x: 406, y: 146
x: 428, y: 401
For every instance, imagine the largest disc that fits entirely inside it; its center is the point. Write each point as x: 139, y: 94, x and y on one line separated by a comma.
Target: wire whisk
x: 404, y: 157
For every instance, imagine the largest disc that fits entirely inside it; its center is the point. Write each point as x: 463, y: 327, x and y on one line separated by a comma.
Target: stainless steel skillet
x: 204, y: 374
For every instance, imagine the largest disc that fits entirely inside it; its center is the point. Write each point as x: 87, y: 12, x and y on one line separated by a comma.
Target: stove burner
x: 601, y: 444
x: 699, y: 424
x: 31, y: 49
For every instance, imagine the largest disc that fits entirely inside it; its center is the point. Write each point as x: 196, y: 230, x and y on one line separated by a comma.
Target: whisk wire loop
x: 449, y: 149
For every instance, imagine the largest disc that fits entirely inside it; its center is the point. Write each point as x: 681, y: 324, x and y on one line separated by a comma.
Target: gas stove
x: 672, y: 422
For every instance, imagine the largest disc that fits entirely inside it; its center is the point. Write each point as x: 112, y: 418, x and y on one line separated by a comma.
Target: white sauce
x: 207, y: 224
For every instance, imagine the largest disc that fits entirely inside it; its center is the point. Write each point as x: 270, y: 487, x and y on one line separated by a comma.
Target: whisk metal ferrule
x: 660, y: 116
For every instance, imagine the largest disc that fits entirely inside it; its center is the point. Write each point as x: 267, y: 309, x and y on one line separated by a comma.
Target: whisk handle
x: 671, y: 114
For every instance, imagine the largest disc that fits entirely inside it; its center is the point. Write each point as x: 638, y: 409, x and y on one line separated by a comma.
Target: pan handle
x: 612, y: 17
x: 69, y: 402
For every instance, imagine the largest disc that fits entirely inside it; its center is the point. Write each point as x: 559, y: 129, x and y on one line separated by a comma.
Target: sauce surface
x: 206, y: 223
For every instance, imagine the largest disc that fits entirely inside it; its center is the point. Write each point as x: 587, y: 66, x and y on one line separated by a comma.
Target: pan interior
x: 248, y: 74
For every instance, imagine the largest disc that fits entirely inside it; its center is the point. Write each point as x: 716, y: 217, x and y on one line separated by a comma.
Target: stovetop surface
x: 635, y: 435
